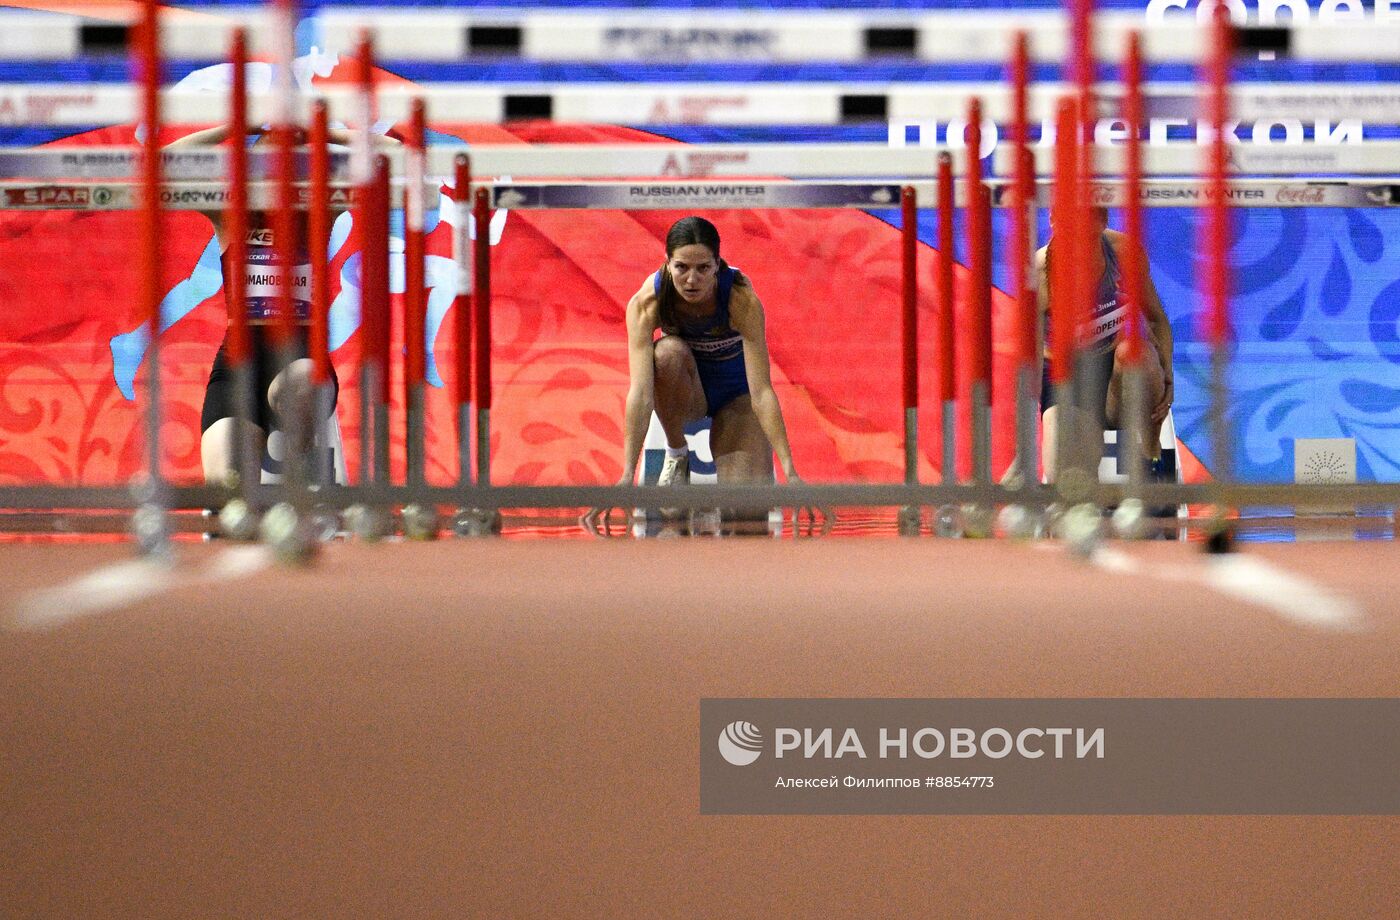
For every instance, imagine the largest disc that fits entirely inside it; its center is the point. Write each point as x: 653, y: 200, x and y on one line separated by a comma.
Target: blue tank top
x: 710, y: 338
x: 1109, y: 311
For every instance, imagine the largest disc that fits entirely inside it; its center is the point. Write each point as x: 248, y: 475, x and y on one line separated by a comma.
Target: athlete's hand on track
x: 599, y: 521
x: 818, y: 519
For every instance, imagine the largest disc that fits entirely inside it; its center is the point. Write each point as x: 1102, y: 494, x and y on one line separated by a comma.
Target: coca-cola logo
x: 1296, y: 194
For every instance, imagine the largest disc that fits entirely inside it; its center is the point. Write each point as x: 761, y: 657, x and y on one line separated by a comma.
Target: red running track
x: 509, y: 729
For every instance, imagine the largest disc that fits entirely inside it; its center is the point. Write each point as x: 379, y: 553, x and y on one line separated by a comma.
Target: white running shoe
x: 674, y: 471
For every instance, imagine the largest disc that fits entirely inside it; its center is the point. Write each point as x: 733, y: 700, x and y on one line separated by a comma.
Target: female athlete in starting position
x: 282, y: 389
x: 711, y: 360
x: 1098, y: 406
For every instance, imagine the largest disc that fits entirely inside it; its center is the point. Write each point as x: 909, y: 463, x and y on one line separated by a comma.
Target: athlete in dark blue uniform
x: 711, y: 360
x: 1109, y: 312
x: 717, y: 348
x: 1096, y: 405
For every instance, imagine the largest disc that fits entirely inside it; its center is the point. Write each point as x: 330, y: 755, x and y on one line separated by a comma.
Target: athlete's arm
x: 209, y: 137
x: 746, y: 316
x: 1158, y: 327
x: 1161, y: 330
x: 1040, y: 266
x: 206, y: 138
x: 1012, y: 477
x: 641, y: 372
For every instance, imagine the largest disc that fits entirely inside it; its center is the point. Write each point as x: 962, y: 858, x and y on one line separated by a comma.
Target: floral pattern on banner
x: 1315, y: 312
x: 829, y: 280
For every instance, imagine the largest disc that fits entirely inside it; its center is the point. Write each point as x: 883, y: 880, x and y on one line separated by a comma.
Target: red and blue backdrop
x: 1316, y: 306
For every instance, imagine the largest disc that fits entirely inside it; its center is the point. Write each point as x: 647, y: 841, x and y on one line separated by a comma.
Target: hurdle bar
x: 574, y: 161
x: 444, y: 35
x: 641, y: 195
x: 704, y: 161
x: 641, y: 104
x: 1377, y: 157
x: 708, y: 496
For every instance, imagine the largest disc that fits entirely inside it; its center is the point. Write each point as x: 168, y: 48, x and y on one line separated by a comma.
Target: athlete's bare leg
x: 680, y: 399
x: 216, y: 448
x: 742, y: 455
x: 291, y: 397
x: 1155, y: 386
x: 1085, y: 442
x: 741, y: 449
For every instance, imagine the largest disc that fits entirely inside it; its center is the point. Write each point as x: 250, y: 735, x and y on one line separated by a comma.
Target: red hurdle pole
x: 1134, y: 271
x: 983, y: 294
x: 149, y: 523
x: 1132, y: 192
x: 284, y: 236
x: 482, y: 314
x: 1217, y: 274
x: 365, y: 86
x: 1082, y: 59
x: 1083, y: 76
x: 376, y: 309
x: 318, y: 235
x: 363, y: 172
x: 462, y: 317
x: 287, y: 240
x: 415, y: 294
x: 1062, y: 217
x: 977, y: 337
x: 947, y: 376
x: 284, y: 229
x: 909, y: 259
x: 1023, y: 280
x: 236, y: 278
x: 1064, y: 263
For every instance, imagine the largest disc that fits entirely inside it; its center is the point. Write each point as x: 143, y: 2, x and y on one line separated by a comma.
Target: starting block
x: 326, y: 447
